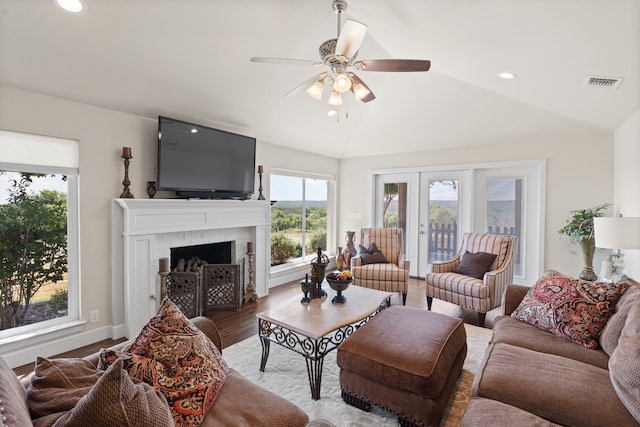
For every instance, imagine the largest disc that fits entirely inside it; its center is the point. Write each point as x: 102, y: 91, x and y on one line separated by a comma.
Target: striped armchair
x: 391, y: 277
x: 479, y: 295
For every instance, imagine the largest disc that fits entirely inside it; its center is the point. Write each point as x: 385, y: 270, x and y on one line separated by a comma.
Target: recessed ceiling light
x: 332, y: 113
x: 194, y: 130
x: 71, y: 6
x: 507, y: 75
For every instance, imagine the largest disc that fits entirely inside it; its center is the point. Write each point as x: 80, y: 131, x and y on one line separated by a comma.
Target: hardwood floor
x: 237, y: 326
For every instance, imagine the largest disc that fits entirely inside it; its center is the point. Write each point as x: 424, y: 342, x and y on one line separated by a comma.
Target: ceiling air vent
x: 598, y: 81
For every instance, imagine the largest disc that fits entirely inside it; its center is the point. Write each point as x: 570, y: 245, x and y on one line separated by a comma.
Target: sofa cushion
x: 175, y: 357
x: 612, y: 330
x: 379, y: 272
x: 243, y: 403
x: 556, y: 388
x: 371, y: 255
x: 512, y: 331
x: 72, y: 392
x: 13, y: 398
x: 475, y: 265
x: 624, y: 365
x: 483, y: 412
x: 571, y: 308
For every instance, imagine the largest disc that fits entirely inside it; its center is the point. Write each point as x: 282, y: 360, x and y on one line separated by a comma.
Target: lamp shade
x: 617, y: 232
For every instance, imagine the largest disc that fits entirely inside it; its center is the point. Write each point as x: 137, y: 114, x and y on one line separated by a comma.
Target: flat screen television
x: 197, y: 161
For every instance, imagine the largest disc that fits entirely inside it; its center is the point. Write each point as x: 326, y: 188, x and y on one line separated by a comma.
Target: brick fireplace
x: 144, y: 230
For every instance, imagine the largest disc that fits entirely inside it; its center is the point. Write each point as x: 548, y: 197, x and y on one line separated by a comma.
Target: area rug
x: 286, y: 376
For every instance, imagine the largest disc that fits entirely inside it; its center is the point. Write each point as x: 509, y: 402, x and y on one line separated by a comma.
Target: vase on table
x: 339, y: 259
x: 350, y: 249
x: 588, y: 249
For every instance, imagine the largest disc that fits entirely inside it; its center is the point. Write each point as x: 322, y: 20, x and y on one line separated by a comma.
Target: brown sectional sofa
x: 240, y: 402
x: 531, y: 377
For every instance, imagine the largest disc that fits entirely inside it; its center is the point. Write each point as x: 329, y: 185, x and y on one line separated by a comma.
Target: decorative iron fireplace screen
x: 213, y: 287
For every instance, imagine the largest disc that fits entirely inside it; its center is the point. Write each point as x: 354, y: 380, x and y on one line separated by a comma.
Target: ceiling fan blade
x: 393, y: 65
x: 304, y: 85
x: 288, y: 61
x: 358, y: 81
x: 350, y: 39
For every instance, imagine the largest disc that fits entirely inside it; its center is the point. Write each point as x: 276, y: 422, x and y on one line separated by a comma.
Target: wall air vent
x: 599, y: 81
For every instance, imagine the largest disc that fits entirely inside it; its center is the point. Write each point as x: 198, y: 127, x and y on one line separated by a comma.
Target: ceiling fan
x: 339, y: 55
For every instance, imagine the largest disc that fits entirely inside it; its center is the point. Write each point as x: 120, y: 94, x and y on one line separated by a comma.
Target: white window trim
x: 46, y: 159
x: 291, y: 271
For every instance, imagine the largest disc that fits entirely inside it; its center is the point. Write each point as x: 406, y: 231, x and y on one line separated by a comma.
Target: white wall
x: 579, y: 175
x: 101, y: 134
x: 627, y: 181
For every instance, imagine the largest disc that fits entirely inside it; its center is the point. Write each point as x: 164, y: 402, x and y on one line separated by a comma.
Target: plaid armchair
x: 479, y: 295
x: 389, y: 277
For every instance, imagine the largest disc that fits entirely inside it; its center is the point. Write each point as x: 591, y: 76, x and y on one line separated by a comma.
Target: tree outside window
x: 33, y: 248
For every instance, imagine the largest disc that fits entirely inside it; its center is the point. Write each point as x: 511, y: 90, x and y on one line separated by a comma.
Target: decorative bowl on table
x: 339, y: 283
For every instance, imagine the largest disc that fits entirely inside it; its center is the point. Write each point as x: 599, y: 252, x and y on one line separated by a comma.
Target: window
x: 302, y: 217
x: 38, y: 233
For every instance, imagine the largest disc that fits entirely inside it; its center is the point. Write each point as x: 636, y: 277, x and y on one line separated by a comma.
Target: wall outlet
x: 94, y: 316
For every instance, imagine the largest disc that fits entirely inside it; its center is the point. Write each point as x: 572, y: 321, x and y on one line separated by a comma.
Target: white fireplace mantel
x: 144, y: 230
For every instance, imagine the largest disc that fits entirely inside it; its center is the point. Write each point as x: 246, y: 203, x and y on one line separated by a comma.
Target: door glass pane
x: 395, y: 208
x: 504, y: 211
x: 444, y: 211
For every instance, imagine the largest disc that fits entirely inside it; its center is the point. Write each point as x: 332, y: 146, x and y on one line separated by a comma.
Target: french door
x: 435, y: 207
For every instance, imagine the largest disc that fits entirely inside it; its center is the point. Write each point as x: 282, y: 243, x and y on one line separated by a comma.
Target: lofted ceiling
x: 190, y: 59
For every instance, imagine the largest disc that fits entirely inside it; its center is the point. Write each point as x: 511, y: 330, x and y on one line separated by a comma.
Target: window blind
x: 38, y: 153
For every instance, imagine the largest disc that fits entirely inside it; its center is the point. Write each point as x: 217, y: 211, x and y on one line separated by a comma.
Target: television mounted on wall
x: 197, y: 161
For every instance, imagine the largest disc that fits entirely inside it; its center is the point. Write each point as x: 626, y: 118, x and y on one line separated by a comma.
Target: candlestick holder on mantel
x: 250, y: 294
x: 126, y: 155
x: 260, y: 172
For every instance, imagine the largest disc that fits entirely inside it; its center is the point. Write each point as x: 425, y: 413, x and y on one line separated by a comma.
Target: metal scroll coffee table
x: 315, y: 329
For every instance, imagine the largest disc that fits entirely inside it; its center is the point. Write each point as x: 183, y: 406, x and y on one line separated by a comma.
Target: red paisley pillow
x: 177, y: 359
x: 571, y: 308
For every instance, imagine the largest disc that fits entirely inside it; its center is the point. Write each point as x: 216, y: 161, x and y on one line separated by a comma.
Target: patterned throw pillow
x: 371, y: 255
x: 571, y: 308
x: 177, y: 359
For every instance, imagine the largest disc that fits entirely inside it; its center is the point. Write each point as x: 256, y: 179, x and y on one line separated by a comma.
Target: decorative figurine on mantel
x: 318, y: 269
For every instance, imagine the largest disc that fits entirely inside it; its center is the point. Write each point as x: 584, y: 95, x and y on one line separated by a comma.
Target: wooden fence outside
x: 443, y: 241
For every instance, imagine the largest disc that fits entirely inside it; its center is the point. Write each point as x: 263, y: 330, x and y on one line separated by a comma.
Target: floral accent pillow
x: 176, y: 358
x: 571, y: 308
x: 371, y: 255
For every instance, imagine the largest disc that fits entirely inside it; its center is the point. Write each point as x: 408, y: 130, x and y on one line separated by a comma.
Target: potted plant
x: 579, y: 230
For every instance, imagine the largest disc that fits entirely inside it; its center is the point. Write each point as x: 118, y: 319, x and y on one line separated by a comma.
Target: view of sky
x: 290, y: 188
x: 52, y: 183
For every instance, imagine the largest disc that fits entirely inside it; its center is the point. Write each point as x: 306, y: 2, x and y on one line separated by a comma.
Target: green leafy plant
x: 59, y: 300
x: 579, y: 230
x: 579, y: 225
x: 282, y: 248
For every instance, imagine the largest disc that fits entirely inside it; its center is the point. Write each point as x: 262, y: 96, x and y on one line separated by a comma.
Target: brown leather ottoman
x: 405, y: 360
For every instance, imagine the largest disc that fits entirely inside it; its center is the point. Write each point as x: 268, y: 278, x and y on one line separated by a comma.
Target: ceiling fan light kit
x: 315, y: 90
x: 335, y: 98
x: 339, y: 55
x: 342, y: 83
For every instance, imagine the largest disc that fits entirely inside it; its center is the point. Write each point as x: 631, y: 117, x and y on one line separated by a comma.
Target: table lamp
x: 616, y: 233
